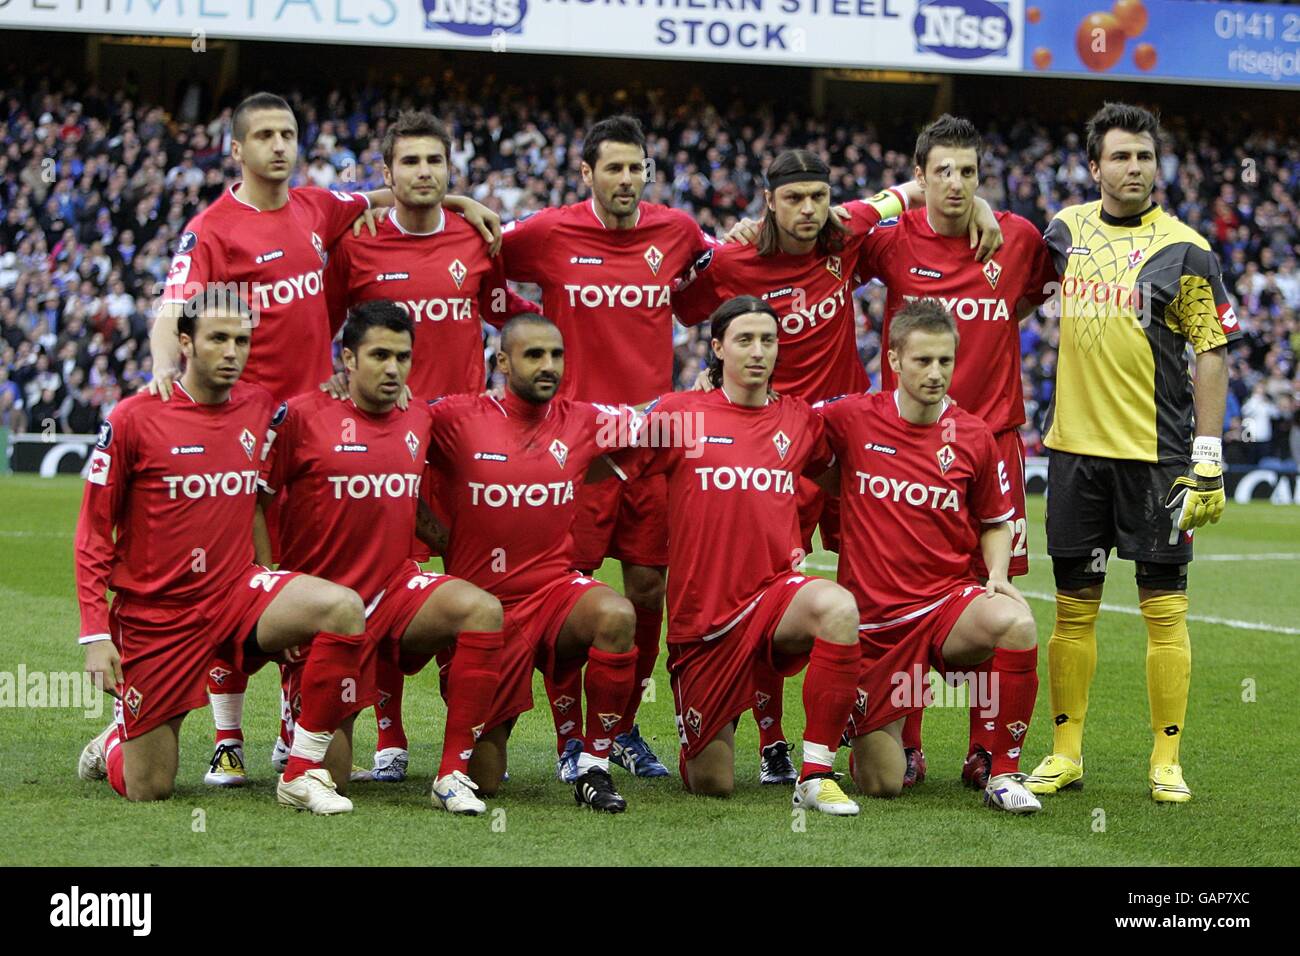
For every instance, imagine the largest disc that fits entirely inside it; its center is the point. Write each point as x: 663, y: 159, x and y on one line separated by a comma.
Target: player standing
x: 922, y: 478
x: 351, y: 471
x: 436, y: 266
x: 269, y: 242
x: 735, y: 482
x: 606, y: 267
x: 925, y: 253
x: 509, y: 469
x: 1137, y: 286
x: 177, y: 482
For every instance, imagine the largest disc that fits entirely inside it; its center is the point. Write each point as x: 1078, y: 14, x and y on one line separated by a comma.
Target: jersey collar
x: 235, y: 196
x: 1141, y: 219
x: 947, y: 404
x: 442, y: 224
x: 591, y: 204
x: 512, y: 406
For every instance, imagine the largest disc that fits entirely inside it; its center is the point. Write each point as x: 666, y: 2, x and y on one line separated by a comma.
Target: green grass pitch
x: 1239, y: 753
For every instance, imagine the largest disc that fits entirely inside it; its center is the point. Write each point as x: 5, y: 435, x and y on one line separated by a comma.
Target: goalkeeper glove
x: 1197, y: 497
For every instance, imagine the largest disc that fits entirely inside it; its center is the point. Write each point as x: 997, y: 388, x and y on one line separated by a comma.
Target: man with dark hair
x: 922, y: 478
x: 351, y: 473
x: 606, y: 267
x: 728, y: 622
x: 509, y: 468
x: 1136, y: 442
x: 177, y: 482
x: 923, y: 253
x: 436, y: 267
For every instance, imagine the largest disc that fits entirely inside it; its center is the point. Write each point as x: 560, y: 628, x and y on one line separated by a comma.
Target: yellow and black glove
x: 1197, y: 497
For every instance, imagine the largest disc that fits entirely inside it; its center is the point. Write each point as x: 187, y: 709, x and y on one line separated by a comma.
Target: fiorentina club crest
x: 782, y: 444
x: 835, y: 267
x: 133, y: 700
x: 761, y: 699
x: 860, y: 701
x: 319, y: 247
x: 946, y: 457
x: 458, y: 272
x: 654, y: 259
x: 694, y: 720
x: 1017, y: 729
x: 248, y: 443
x: 992, y: 271
x: 1135, y: 257
x: 609, y: 721
x: 477, y: 731
x: 219, y: 675
x: 563, y: 703
x: 412, y: 445
x: 560, y: 451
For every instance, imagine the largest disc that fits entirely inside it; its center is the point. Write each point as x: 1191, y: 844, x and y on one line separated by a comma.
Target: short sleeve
x: 990, y: 493
x: 1203, y: 312
x: 698, y: 291
x: 523, y: 246
x: 1058, y: 239
x: 194, y: 264
x: 335, y: 211
x: 281, y: 451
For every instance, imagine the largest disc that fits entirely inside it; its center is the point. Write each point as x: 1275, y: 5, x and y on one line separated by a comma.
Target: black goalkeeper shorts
x: 1102, y: 503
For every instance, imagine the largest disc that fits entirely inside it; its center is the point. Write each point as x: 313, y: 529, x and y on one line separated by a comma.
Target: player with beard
x: 436, y: 266
x: 922, y: 479
x: 923, y: 253
x: 350, y: 468
x: 735, y: 482
x: 177, y: 482
x: 509, y: 471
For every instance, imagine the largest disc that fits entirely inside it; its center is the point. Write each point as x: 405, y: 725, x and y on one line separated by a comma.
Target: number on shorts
x: 1019, y: 529
x: 266, y: 580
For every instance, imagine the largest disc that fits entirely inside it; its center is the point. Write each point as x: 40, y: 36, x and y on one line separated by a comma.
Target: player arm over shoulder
x: 165, y: 347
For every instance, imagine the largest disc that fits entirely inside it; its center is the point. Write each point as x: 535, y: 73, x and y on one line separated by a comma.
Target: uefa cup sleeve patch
x: 97, y: 470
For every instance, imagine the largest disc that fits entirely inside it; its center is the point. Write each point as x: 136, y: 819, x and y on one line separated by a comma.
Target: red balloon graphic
x: 1132, y: 16
x: 1099, y: 41
x: 1042, y: 58
x: 1145, y: 56
x: 1033, y: 14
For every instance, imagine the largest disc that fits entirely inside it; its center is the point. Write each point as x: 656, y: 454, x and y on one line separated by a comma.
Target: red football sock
x: 565, y: 697
x: 609, y: 682
x: 982, y: 700
x: 1017, y: 689
x: 829, y: 689
x: 113, y: 757
x: 769, y: 704
x: 649, y: 624
x: 224, y: 683
x: 334, y: 660
x: 389, y: 680
x: 912, y: 730
x: 287, y: 690
x: 471, y: 685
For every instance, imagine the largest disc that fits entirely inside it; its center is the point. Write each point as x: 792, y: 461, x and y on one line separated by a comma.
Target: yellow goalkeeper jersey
x: 1134, y: 293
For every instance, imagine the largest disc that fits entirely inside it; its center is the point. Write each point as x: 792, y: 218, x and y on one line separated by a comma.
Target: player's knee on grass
x: 712, y: 772
x: 335, y: 609
x: 146, y: 784
x: 615, y: 625
x: 644, y: 586
x: 487, y: 765
x: 836, y: 615
x: 1016, y: 628
x: 879, y: 764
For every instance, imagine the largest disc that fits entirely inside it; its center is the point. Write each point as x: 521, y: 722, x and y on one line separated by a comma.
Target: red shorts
x: 712, y: 679
x: 531, y: 629
x: 1011, y: 448
x: 817, y: 508
x: 167, y: 649
x: 896, y: 661
x: 627, y: 520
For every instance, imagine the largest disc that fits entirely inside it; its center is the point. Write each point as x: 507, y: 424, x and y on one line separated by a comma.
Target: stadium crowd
x: 95, y: 188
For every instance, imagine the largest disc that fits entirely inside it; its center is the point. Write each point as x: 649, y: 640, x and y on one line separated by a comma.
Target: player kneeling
x: 177, y: 481
x: 509, y: 470
x: 350, y: 472
x: 733, y: 457
x: 922, y: 483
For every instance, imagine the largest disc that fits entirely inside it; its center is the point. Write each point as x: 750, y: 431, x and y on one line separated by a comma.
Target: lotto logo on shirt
x: 625, y: 296
x: 230, y: 484
x: 375, y: 486
x: 725, y: 478
x: 551, y: 494
x: 436, y: 310
x: 912, y: 492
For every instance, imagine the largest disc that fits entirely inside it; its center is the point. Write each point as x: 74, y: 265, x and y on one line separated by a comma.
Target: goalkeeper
x: 1135, y: 441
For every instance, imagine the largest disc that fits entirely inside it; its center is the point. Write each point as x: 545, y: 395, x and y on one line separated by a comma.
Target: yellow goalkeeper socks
x: 1071, y: 662
x: 1169, y: 672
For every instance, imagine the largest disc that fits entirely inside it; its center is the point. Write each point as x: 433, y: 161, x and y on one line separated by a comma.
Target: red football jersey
x: 733, y: 521
x: 352, y: 482
x: 913, y: 501
x: 813, y: 294
x: 609, y: 292
x: 445, y: 280
x: 177, y: 481
x: 914, y: 261
x: 509, y: 472
x: 277, y: 259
